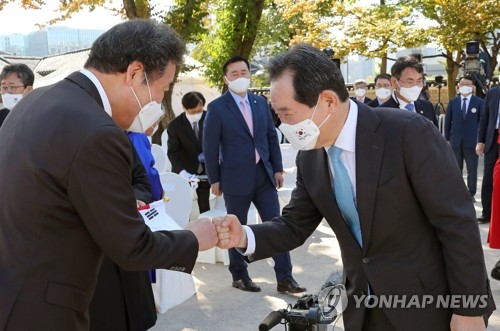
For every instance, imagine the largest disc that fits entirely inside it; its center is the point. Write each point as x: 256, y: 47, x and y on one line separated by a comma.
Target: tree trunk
x: 452, y: 67
x: 383, y: 64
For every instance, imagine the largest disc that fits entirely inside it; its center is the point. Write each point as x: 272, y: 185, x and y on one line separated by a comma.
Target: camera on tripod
x: 472, y: 62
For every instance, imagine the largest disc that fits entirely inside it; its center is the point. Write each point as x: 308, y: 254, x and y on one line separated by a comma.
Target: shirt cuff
x: 250, y: 242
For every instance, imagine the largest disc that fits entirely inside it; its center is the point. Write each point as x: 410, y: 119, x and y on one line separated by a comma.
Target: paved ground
x: 218, y: 306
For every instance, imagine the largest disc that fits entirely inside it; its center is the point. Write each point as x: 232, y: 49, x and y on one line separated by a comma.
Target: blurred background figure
x: 360, y: 88
x: 142, y: 145
x: 407, y: 82
x: 17, y: 81
x: 185, y: 146
x: 460, y: 130
x: 383, y: 90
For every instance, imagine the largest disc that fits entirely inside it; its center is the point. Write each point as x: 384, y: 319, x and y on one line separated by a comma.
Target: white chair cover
x: 160, y: 158
x: 171, y: 287
x: 288, y: 155
x: 164, y: 140
x: 180, y: 195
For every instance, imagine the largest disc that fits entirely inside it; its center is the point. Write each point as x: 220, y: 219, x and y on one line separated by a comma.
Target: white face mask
x: 239, y: 85
x: 194, y: 118
x: 148, y: 115
x: 303, y: 135
x: 382, y: 93
x: 360, y: 92
x: 410, y: 93
x: 10, y: 100
x: 465, y: 90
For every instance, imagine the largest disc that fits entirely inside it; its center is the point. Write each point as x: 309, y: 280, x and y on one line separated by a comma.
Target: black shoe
x: 290, y: 285
x: 246, y: 285
x: 495, y: 272
x: 483, y: 220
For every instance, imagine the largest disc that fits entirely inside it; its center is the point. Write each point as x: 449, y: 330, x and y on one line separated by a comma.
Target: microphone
x: 272, y: 320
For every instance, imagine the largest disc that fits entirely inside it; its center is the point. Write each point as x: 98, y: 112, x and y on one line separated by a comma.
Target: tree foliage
x: 233, y: 30
x: 458, y: 21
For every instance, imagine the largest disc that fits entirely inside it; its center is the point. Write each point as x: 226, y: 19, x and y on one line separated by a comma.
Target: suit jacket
x: 418, y: 238
x: 457, y: 129
x: 366, y: 100
x: 374, y: 103
x: 67, y: 200
x: 226, y: 131
x: 3, y: 114
x: 488, y: 120
x: 423, y: 107
x: 183, y: 147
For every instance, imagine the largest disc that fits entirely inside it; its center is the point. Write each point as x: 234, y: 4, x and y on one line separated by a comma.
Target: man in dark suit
x: 460, y: 129
x: 185, y: 145
x: 487, y: 137
x: 68, y: 198
x: 383, y: 90
x: 243, y: 161
x: 360, y: 88
x: 407, y: 81
x: 405, y: 226
x: 17, y: 81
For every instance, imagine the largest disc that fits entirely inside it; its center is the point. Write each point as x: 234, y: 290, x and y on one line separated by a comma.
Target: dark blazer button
x: 366, y: 260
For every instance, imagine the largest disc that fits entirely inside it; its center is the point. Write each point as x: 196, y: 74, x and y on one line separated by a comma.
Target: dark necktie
x: 464, y: 107
x: 195, y: 129
x: 344, y: 194
x: 196, y: 134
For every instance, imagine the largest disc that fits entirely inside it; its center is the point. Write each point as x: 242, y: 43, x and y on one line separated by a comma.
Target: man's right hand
x: 205, y: 232
x: 216, y: 189
x: 230, y: 232
x: 480, y: 149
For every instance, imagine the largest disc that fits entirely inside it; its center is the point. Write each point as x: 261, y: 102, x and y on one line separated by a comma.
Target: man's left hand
x: 467, y: 323
x: 278, y: 177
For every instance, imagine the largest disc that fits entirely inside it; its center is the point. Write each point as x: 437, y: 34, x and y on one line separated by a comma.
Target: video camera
x: 310, y: 312
x: 472, y: 63
x: 331, y: 54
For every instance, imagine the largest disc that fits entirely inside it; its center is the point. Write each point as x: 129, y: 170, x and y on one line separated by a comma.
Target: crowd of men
x: 377, y: 171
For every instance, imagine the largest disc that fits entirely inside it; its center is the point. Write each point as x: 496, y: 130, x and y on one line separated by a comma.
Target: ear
x: 226, y: 81
x: 330, y: 98
x: 394, y: 83
x: 135, y: 72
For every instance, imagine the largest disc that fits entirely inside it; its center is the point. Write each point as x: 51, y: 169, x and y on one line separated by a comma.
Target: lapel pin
x: 473, y: 110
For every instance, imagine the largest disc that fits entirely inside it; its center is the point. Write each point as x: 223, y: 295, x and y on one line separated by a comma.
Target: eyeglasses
x: 413, y: 83
x: 10, y: 89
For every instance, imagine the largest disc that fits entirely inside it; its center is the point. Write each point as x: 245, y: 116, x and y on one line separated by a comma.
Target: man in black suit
x: 405, y: 226
x: 383, y: 90
x: 68, y: 197
x: 185, y: 145
x: 360, y: 88
x: 487, y: 145
x: 407, y: 81
x: 17, y: 81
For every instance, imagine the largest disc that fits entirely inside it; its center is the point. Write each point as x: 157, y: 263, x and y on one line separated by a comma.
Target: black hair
x: 192, y: 99
x: 24, y: 73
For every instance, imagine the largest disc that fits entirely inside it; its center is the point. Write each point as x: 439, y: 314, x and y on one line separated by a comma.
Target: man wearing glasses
x: 383, y: 90
x: 17, y: 80
x: 407, y: 82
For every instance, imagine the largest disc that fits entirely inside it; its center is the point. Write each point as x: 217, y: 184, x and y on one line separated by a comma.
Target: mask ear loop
x: 149, y: 90
x: 136, y: 98
x: 314, y: 112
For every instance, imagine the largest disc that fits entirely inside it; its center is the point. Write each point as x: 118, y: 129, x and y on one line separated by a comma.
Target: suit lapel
x: 189, y: 129
x: 369, y: 152
x: 234, y: 109
x: 85, y: 83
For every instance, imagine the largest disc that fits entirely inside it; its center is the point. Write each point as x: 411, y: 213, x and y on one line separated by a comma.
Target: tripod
x: 439, y: 108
